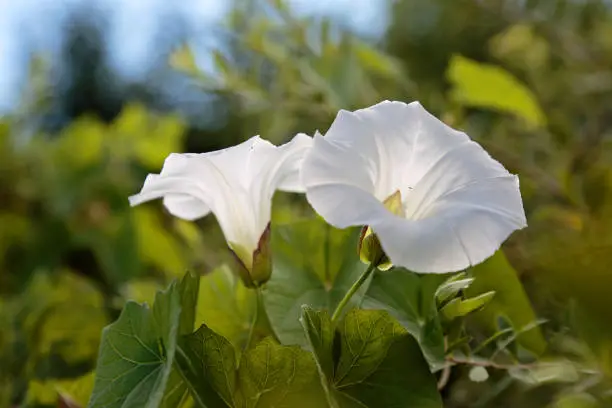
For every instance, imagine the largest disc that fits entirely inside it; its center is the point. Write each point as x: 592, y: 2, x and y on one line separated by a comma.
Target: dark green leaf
x: 133, y: 366
x: 402, y: 379
x: 315, y: 265
x: 380, y: 365
x: 176, y: 389
x: 409, y: 298
x: 366, y: 337
x: 135, y: 363
x: 208, y: 364
x: 320, y: 334
x: 188, y: 290
x: 272, y: 375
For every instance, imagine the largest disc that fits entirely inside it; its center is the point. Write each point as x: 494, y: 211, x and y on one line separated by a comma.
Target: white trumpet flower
x: 434, y: 199
x: 235, y: 184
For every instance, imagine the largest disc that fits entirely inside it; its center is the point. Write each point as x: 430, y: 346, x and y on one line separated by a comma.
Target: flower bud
x: 369, y: 246
x: 255, y: 268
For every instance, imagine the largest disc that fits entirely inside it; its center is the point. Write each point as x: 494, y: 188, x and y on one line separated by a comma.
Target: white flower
x: 435, y: 199
x: 235, y: 184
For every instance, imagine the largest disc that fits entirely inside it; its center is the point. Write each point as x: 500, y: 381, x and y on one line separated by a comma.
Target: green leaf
x: 136, y: 354
x: 576, y: 400
x: 272, y: 375
x: 462, y: 307
x: 184, y: 60
x: 320, y: 334
x: 546, y: 372
x: 491, y: 87
x: 376, y: 61
x: 226, y: 306
x: 366, y: 337
x: 207, y: 361
x: 409, y: 298
x: 156, y: 245
x: 379, y: 364
x: 132, y: 368
x: 315, y: 265
x: 177, y: 393
x: 451, y: 288
x: 510, y: 301
x: 77, y: 391
x: 188, y: 288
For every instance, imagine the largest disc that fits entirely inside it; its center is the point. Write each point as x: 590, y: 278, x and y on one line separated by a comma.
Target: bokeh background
x: 94, y: 94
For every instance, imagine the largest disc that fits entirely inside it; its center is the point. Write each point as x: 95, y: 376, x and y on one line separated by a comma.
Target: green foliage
x: 510, y: 301
x: 314, y: 264
x: 409, y: 298
x: 226, y: 306
x: 137, y: 351
x: 208, y: 363
x: 65, y: 227
x: 491, y: 87
x: 380, y: 364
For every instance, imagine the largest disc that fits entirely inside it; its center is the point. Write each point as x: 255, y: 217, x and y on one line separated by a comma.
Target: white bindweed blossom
x: 235, y: 184
x: 435, y: 199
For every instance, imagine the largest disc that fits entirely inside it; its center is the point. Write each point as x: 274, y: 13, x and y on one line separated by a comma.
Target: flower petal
x: 463, y: 228
x: 236, y: 184
x: 459, y: 203
x: 272, y: 168
x: 192, y: 185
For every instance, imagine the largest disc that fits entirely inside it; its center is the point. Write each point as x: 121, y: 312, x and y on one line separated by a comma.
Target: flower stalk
x: 347, y: 297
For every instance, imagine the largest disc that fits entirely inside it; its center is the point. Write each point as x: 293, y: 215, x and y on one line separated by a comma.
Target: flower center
x: 394, y: 204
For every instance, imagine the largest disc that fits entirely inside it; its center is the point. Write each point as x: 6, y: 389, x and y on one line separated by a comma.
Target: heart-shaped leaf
x: 379, y: 364
x: 410, y: 298
x: 208, y: 363
x: 315, y: 265
x: 137, y: 351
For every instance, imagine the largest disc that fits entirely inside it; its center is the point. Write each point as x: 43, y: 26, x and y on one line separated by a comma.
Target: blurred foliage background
x: 531, y: 80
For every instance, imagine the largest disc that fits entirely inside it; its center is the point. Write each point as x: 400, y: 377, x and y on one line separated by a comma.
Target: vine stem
x: 489, y: 364
x: 347, y: 297
x: 258, y: 304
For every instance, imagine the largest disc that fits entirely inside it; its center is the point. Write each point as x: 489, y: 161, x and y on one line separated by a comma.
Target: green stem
x: 347, y: 297
x: 255, y: 322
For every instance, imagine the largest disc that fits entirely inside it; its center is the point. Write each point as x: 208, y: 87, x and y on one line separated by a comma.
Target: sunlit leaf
x: 491, y: 87
x: 546, y: 372
x: 462, y: 307
x: 576, y: 400
x: 226, y: 306
x: 496, y: 274
x: 156, y: 245
x: 78, y: 390
x: 183, y: 60
x: 81, y: 144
